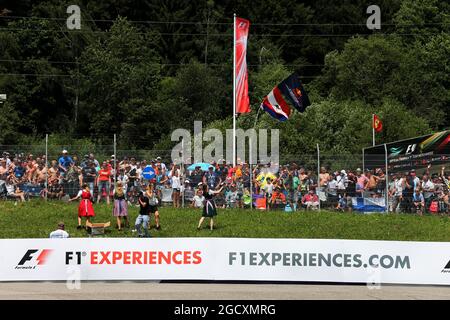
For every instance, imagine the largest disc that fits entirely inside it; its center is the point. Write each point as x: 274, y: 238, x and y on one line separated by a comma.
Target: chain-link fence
x: 311, y: 181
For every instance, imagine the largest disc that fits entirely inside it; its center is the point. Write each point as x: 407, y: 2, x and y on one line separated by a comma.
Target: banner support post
x: 318, y: 174
x: 182, y: 172
x: 115, y: 162
x: 373, y: 129
x: 250, y: 159
x: 46, y: 166
x: 387, y: 178
x: 234, y: 90
x: 363, y: 161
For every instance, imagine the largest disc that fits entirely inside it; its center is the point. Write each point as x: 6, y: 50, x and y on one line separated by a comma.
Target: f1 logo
x: 29, y: 255
x: 411, y: 149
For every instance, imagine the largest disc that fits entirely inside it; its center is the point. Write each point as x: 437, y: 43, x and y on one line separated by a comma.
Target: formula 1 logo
x: 33, y: 258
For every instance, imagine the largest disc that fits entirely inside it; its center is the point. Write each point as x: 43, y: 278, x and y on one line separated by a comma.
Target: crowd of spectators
x: 291, y: 188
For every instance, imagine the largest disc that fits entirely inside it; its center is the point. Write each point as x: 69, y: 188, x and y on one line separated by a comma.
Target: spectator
x: 278, y: 199
x: 176, y: 186
x: 148, y: 204
x: 196, y: 176
x: 187, y: 191
x: 104, y: 182
x: 30, y: 169
x: 123, y: 179
x: 361, y: 182
x: 3, y: 169
x: 231, y: 197
x: 92, y: 158
x: 54, y: 189
x: 397, y: 192
x: 268, y: 189
x: 332, y: 190
x: 85, y: 162
x: 418, y: 201
x: 6, y: 156
x: 40, y: 175
x: 372, y: 183
x: 428, y: 191
x: 324, y: 177
x: 408, y: 192
x: 211, y: 178
x: 209, y: 209
x: 12, y: 187
x: 72, y: 178
x: 240, y: 192
x: 310, y: 200
x: 198, y: 200
x: 120, y: 208
x: 64, y: 162
x: 53, y: 170
x: 89, y: 175
x: 161, y: 164
x: 60, y: 232
x: 85, y: 208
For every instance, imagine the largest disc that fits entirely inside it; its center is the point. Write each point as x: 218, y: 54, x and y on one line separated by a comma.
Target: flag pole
x: 234, y: 90
x: 373, y: 129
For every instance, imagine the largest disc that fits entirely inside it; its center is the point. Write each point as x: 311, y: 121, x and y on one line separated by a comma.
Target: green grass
x: 36, y: 219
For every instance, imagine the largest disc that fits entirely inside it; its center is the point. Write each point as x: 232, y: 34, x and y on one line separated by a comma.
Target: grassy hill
x: 36, y: 219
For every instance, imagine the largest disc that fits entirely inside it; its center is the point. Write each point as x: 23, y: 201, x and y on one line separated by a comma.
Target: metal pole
x: 115, y: 161
x: 182, y: 171
x: 363, y: 161
x: 46, y: 167
x: 318, y: 173
x: 250, y: 160
x: 373, y: 129
x: 387, y: 178
x: 234, y: 90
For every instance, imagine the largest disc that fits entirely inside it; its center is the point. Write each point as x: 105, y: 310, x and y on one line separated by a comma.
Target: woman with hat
x: 85, y: 209
x: 209, y: 209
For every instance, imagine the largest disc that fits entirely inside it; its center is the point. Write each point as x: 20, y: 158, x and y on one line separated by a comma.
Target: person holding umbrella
x: 209, y: 209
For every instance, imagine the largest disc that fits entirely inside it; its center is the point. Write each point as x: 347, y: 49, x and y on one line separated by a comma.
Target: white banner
x: 325, y: 260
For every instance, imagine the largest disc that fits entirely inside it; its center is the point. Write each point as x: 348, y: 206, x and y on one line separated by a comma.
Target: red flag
x: 241, y: 34
x: 377, y: 124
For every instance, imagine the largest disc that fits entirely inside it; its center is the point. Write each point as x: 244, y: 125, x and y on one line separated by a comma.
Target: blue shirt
x: 418, y: 198
x: 65, y: 161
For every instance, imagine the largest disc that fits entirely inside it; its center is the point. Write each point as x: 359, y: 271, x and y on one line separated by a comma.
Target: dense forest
x: 143, y: 68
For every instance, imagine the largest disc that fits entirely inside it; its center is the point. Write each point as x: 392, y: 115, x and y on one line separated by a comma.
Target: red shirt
x: 310, y: 198
x: 103, y: 175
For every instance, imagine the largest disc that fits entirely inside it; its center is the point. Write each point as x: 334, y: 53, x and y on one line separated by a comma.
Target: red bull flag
x: 285, y: 96
x: 241, y: 34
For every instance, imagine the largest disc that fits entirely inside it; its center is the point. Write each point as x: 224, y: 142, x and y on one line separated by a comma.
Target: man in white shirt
x: 399, y: 184
x: 59, y: 233
x: 158, y: 162
x: 428, y: 191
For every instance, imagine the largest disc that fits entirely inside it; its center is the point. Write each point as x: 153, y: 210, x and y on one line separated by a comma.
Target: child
x: 198, y: 200
x: 418, y: 201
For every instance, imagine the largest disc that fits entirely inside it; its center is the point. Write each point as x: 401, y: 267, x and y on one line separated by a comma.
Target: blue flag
x: 294, y: 93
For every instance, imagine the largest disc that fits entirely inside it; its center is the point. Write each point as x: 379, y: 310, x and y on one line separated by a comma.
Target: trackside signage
x: 226, y: 259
